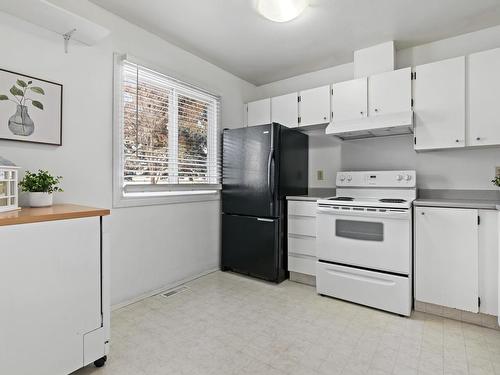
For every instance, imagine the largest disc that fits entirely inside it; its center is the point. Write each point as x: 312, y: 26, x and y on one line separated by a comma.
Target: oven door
x: 378, y: 239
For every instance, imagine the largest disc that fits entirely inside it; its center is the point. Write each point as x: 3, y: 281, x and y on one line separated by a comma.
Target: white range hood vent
x: 374, y: 126
x: 374, y: 60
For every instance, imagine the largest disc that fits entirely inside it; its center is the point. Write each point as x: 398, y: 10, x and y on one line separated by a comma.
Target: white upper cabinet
x: 446, y: 257
x: 259, y: 112
x: 389, y: 92
x: 484, y: 94
x: 349, y: 100
x: 314, y: 106
x: 285, y: 110
x: 440, y: 104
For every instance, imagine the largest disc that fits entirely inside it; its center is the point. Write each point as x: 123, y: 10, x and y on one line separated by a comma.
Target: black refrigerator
x: 261, y: 165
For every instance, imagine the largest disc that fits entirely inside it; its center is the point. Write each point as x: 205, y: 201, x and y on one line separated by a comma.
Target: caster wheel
x: 101, y: 361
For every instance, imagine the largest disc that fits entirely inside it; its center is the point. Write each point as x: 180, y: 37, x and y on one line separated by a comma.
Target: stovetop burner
x: 343, y: 199
x: 390, y: 200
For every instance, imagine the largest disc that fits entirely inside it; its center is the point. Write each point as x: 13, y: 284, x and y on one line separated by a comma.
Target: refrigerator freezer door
x: 249, y: 175
x: 251, y: 246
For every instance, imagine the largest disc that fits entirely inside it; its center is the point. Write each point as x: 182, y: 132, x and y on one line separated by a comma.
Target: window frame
x: 154, y: 194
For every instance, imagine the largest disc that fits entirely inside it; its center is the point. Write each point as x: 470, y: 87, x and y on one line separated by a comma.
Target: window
x: 168, y: 141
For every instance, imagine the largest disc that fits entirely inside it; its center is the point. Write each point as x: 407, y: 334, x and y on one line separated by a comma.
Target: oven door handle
x: 396, y: 215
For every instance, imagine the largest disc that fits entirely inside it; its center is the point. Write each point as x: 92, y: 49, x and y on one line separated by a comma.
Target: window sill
x: 165, y: 197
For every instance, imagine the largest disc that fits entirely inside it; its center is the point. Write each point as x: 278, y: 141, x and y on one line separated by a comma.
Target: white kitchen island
x: 54, y: 287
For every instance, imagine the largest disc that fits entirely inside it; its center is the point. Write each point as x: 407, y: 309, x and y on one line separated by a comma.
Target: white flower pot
x: 40, y: 199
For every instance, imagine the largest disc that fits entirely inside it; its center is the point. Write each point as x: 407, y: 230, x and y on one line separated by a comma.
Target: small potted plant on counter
x: 496, y: 181
x: 40, y: 187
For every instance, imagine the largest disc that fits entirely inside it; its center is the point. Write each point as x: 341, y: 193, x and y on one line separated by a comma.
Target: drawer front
x: 302, y: 264
x: 302, y: 225
x: 302, y: 208
x: 304, y: 245
x: 382, y: 291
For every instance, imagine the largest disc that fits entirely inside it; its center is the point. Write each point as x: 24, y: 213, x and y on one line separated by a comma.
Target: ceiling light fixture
x: 281, y: 10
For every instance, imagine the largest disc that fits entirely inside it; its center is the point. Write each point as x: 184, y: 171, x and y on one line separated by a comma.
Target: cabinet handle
x: 361, y: 112
x: 478, y: 138
x: 423, y: 213
x: 376, y: 109
x: 324, y: 118
x: 457, y: 140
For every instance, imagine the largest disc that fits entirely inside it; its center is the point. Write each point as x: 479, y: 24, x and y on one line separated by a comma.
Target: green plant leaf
x: 15, y: 91
x: 37, y: 104
x: 4, y: 97
x: 38, y: 90
x: 42, y: 181
x: 21, y: 83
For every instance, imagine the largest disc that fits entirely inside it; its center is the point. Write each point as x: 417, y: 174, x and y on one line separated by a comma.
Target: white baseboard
x: 175, y: 284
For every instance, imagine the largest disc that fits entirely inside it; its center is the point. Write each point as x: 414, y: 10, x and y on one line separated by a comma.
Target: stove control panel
x: 377, y: 179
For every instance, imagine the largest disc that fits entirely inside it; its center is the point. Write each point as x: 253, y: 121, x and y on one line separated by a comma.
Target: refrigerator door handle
x: 266, y: 220
x: 269, y: 171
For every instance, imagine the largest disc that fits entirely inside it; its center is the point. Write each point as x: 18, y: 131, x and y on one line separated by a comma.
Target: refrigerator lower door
x: 252, y: 246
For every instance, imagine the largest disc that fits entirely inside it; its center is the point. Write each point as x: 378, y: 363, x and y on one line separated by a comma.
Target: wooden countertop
x: 55, y: 212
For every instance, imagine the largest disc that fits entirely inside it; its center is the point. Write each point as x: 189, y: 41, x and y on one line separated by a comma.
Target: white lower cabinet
x: 456, y: 258
x: 488, y: 261
x: 302, y: 237
x: 54, y: 318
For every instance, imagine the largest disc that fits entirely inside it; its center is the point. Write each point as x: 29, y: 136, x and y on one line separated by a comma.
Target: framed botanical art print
x: 30, y: 109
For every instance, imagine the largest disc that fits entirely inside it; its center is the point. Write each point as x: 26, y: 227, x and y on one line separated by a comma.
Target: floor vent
x: 173, y: 292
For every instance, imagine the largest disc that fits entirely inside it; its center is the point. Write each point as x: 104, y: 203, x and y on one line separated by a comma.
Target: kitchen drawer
x: 302, y: 225
x: 302, y: 264
x: 375, y: 289
x: 304, y: 245
x: 302, y: 208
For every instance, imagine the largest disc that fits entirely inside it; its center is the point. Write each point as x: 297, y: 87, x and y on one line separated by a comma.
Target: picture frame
x: 31, y: 109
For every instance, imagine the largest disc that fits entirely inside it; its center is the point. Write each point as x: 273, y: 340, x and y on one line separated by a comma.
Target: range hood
x: 373, y: 126
x: 370, y: 62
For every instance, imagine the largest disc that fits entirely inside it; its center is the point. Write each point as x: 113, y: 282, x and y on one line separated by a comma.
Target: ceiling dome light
x: 281, y: 10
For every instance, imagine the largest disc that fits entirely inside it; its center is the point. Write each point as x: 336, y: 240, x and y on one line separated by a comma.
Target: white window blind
x: 170, y: 133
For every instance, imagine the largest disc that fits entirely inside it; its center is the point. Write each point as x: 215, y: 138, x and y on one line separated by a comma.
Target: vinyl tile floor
x: 228, y: 324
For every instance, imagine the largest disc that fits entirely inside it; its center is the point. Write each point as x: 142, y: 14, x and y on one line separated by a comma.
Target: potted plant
x: 40, y: 187
x: 496, y: 181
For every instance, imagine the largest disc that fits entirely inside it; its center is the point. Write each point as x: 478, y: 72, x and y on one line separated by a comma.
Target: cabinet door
x: 389, y: 92
x: 259, y: 112
x: 285, y: 110
x: 440, y: 104
x: 350, y: 100
x: 50, y: 283
x: 314, y: 106
x: 488, y: 261
x: 484, y: 91
x: 446, y: 257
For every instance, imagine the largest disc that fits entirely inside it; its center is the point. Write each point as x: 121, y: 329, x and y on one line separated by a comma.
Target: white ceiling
x: 230, y: 34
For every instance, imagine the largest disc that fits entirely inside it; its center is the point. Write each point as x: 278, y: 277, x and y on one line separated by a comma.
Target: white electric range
x: 364, y: 240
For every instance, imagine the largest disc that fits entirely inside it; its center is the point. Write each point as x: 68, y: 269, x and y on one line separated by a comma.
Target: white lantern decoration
x: 9, y: 193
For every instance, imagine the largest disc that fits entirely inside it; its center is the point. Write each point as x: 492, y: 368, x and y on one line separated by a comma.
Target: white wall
x: 324, y: 155
x: 450, y: 169
x: 151, y: 246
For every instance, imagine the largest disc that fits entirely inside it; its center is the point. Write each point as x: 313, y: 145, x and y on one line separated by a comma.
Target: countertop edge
x: 471, y: 204
x: 53, y: 213
x: 301, y: 198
